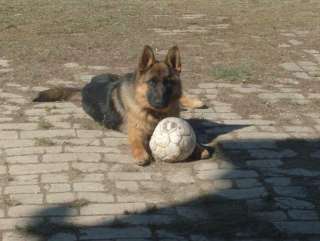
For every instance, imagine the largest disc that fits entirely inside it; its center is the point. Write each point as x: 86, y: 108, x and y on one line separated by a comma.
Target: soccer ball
x: 173, y: 140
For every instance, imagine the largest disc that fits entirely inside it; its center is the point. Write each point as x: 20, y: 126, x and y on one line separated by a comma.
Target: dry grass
x: 44, y: 142
x: 43, y: 124
x: 41, y: 37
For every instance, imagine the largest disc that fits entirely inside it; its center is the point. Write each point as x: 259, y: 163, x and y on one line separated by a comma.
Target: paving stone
x: 89, y: 133
x: 84, y: 221
x: 242, y: 194
x: 147, y: 219
x: 90, y: 167
x: 33, y: 150
x: 130, y: 186
x: 284, y: 45
x: 116, y: 208
x: 262, y: 136
x: 85, y: 77
x: 291, y: 67
x: 77, y: 141
x: 169, y: 235
x: 115, y: 141
x: 57, y: 187
x: 22, y: 189
x: 38, y: 210
x: 65, y: 197
x: 225, y: 174
x: 27, y: 198
x: 18, y: 126
x: 22, y: 159
x: 205, y: 166
x: 278, y: 181
x: 54, y: 178
x: 156, y: 186
x: 37, y: 168
x: 13, y: 223
x: 301, y: 75
x: 248, y: 183
x: 96, y: 197
x: 8, y: 135
x: 46, y: 133
x: 193, y: 213
x: 89, y: 177
x: 270, y: 154
x: 298, y: 129
x: 272, y: 216
x: 299, y: 227
x: 71, y: 65
x: 182, y: 176
x: 23, y: 180
x: 290, y: 191
x: 16, y: 236
x: 130, y: 176
x: 292, y: 203
x: 265, y: 163
x: 259, y: 204
x: 118, y: 158
x: 88, y: 187
x: 4, y: 63
x: 295, y: 42
x: 112, y: 233
x: 65, y: 157
x: 3, y: 169
x: 301, y: 172
x: 136, y: 198
x: 91, y: 149
x: 63, y: 237
x: 303, y: 215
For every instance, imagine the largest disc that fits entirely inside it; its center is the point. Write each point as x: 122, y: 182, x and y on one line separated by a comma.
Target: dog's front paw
x: 142, y: 158
x: 204, y: 154
x: 143, y: 162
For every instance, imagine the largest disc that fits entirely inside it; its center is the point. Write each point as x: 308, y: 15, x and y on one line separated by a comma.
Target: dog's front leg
x: 200, y: 153
x: 137, y: 141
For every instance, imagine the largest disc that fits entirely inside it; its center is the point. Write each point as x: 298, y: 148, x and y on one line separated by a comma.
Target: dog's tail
x: 57, y: 94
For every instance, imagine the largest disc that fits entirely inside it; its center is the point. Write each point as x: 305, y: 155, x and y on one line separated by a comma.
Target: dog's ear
x: 173, y: 59
x: 147, y: 59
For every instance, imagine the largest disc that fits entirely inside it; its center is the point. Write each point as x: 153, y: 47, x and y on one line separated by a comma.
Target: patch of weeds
x: 43, y: 124
x: 268, y: 198
x: 152, y: 208
x: 79, y: 203
x: 231, y: 73
x: 117, y: 224
x: 74, y: 173
x: 46, y: 229
x: 127, y: 212
x: 44, y: 142
x: 6, y: 178
x: 10, y: 202
x: 89, y: 124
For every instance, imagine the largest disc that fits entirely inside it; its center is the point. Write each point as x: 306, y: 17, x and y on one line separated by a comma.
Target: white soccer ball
x: 173, y: 140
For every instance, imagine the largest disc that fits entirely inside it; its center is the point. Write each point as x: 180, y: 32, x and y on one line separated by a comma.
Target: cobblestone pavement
x: 64, y: 178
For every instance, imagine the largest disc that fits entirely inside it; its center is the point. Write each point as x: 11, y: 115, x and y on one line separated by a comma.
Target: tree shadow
x: 254, y: 206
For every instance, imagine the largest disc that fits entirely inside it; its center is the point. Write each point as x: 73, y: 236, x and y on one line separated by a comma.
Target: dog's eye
x: 152, y: 82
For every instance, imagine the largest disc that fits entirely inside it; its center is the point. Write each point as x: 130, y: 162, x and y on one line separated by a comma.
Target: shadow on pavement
x: 257, y: 202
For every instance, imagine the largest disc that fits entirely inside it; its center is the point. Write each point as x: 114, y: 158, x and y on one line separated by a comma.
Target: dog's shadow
x: 206, y: 130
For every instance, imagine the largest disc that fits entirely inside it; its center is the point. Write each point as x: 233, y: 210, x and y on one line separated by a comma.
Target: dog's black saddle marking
x: 97, y: 100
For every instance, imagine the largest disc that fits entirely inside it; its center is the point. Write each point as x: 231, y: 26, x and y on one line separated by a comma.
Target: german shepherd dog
x: 136, y: 102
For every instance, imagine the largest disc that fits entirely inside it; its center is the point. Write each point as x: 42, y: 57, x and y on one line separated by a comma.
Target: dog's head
x: 158, y: 84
